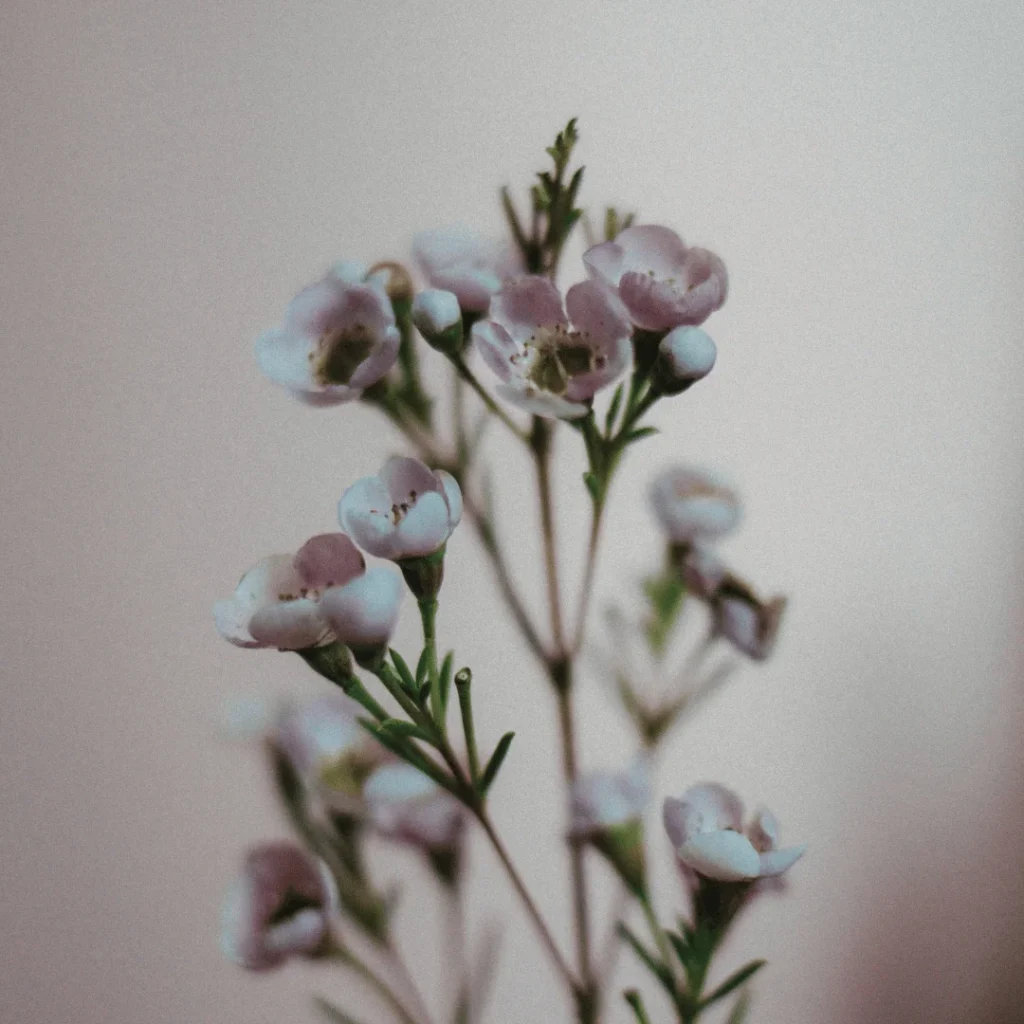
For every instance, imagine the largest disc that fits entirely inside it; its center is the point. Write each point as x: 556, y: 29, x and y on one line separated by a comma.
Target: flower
x: 547, y: 365
x: 461, y: 262
x: 663, y: 283
x: 337, y: 338
x: 406, y: 805
x: 603, y: 800
x: 407, y: 511
x: 363, y: 613
x: 438, y: 318
x: 685, y: 355
x: 694, y: 503
x: 279, y: 906
x: 746, y: 621
x: 705, y: 826
x: 276, y: 604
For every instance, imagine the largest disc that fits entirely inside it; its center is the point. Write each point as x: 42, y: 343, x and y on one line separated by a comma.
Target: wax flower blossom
x: 280, y: 905
x: 662, y: 282
x: 277, y: 602
x: 705, y: 826
x: 364, y: 613
x: 472, y: 268
x: 338, y: 337
x: 603, y: 800
x: 405, y: 805
x: 407, y: 511
x: 694, y: 503
x: 551, y: 364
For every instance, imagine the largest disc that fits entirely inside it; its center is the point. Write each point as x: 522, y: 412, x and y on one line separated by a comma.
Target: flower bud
x: 438, y: 318
x: 685, y: 355
x: 748, y: 623
x: 395, y: 279
x: 407, y: 806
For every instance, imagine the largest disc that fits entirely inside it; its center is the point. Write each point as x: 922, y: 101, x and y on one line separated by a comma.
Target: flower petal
x: 597, y: 312
x: 425, y: 527
x: 652, y: 248
x: 329, y: 560
x: 315, y: 308
x: 453, y: 495
x: 763, y: 831
x: 497, y: 348
x: 718, y: 807
x: 406, y: 479
x: 232, y: 621
x: 725, y: 856
x: 364, y: 613
x: 541, y: 403
x: 604, y: 262
x: 380, y: 360
x: 283, y: 356
x: 363, y: 513
x: 289, y: 625
x: 525, y: 305
x: 777, y: 862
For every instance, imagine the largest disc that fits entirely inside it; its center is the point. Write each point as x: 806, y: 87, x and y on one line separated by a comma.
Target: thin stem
x: 657, y: 932
x: 462, y: 1009
x: 467, y: 375
x: 541, y: 443
x: 428, y: 615
x: 463, y: 683
x: 379, y: 985
x: 527, y: 900
x: 588, y: 576
x: 459, y: 419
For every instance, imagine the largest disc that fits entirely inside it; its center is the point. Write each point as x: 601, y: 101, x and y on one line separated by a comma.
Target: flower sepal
x: 622, y: 846
x: 425, y: 574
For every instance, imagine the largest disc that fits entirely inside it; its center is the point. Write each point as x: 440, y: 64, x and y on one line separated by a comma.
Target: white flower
x: 706, y: 828
x: 603, y: 800
x: 548, y: 365
x: 337, y: 338
x: 276, y: 604
x: 438, y: 318
x: 747, y: 622
x: 663, y: 283
x: 458, y: 261
x: 406, y: 805
x: 364, y: 613
x: 694, y: 503
x: 407, y: 511
x: 280, y: 906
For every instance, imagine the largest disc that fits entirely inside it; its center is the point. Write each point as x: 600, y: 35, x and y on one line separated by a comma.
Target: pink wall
x: 172, y: 173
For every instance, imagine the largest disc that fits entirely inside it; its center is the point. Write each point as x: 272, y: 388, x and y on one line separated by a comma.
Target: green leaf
x: 613, y: 409
x: 593, y: 485
x: 611, y: 224
x: 733, y: 982
x: 446, y: 678
x: 639, y: 434
x: 653, y: 964
x: 513, y: 219
x: 679, y: 945
x: 738, y: 1014
x: 637, y: 1004
x: 407, y: 730
x: 404, y: 674
x: 496, y: 761
x: 331, y: 1012
x: 422, y: 667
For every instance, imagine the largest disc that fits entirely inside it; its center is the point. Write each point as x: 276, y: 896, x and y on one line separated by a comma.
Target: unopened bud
x: 685, y: 355
x: 397, y: 281
x: 438, y: 318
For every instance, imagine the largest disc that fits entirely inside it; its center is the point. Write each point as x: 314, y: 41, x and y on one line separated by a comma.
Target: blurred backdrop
x: 170, y: 174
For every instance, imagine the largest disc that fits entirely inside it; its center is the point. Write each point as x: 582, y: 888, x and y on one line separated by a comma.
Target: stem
x: 657, y: 933
x: 462, y: 1009
x: 428, y: 615
x: 458, y: 419
x: 463, y: 682
x: 383, y: 989
x: 541, y: 442
x: 588, y: 575
x: 387, y: 676
x: 467, y: 375
x: 527, y: 900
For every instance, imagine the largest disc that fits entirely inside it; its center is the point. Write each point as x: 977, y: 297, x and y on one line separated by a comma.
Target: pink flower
x: 706, y: 828
x: 280, y: 906
x: 604, y: 800
x: 406, y: 805
x: 277, y: 602
x: 663, y: 283
x: 694, y: 503
x: 458, y: 261
x: 747, y: 622
x: 364, y: 613
x: 407, y: 511
x: 337, y: 338
x: 551, y: 364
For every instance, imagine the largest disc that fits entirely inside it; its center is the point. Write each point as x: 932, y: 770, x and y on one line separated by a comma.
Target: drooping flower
x: 705, y: 826
x: 364, y: 613
x: 407, y: 511
x: 407, y: 806
x: 694, y: 503
x: 663, y: 283
x: 276, y: 604
x: 338, y: 337
x: 551, y: 364
x: 459, y: 261
x: 279, y: 906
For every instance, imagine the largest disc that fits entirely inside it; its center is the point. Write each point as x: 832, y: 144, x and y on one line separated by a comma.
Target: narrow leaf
x: 446, y: 678
x: 738, y: 1014
x: 407, y: 730
x: 639, y: 434
x: 680, y: 947
x: 653, y: 964
x: 733, y: 982
x: 613, y: 409
x: 422, y: 667
x: 495, y: 763
x: 406, y: 676
x: 637, y: 1005
x: 331, y: 1012
x: 513, y: 219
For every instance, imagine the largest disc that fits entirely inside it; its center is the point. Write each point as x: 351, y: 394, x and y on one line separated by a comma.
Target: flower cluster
x: 379, y: 759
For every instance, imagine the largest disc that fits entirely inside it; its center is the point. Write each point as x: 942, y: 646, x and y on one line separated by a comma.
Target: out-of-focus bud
x: 694, y: 503
x: 685, y: 355
x: 279, y: 906
x: 438, y: 318
x: 396, y: 280
x: 747, y: 622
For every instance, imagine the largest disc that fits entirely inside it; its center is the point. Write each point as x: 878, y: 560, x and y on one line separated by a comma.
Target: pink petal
x: 541, y: 403
x: 654, y: 305
x: 232, y: 622
x: 526, y: 304
x: 314, y: 309
x: 329, y: 560
x: 380, y: 360
x: 725, y: 856
x: 597, y: 312
x: 651, y: 247
x: 604, y: 262
x: 497, y: 348
x: 406, y: 479
x: 473, y: 287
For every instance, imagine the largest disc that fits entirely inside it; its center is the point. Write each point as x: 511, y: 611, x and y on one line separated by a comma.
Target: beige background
x: 171, y: 173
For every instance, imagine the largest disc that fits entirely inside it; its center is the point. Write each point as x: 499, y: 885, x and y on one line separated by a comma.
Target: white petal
x: 365, y: 611
x: 718, y: 806
x: 349, y: 271
x: 232, y: 621
x: 453, y: 494
x: 301, y: 933
x: 777, y: 862
x: 424, y: 528
x: 290, y: 625
x: 435, y: 310
x: 283, y: 357
x: 364, y: 514
x: 497, y: 348
x: 541, y: 403
x: 652, y: 247
x: 688, y: 353
x: 725, y: 856
x: 378, y: 362
x: 604, y: 262
x: 763, y: 831
x: 406, y: 479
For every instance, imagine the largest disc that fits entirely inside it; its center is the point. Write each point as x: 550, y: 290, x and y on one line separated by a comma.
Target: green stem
x: 428, y: 616
x: 540, y: 441
x: 657, y: 932
x: 389, y: 678
x: 379, y: 985
x: 467, y: 375
x: 463, y: 682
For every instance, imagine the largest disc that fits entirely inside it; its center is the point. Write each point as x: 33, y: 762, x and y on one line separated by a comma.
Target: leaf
x: 680, y: 947
x: 446, y: 678
x: 496, y: 761
x: 613, y: 409
x: 331, y: 1012
x: 406, y: 676
x: 407, y: 730
x: 738, y: 1014
x: 733, y: 982
x: 653, y: 964
x: 593, y: 485
x: 513, y: 219
x: 639, y: 434
x: 637, y: 1005
x: 422, y: 667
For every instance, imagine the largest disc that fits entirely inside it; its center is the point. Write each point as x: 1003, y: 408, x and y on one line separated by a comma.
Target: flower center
x: 292, y: 903
x: 554, y: 355
x: 340, y: 352
x: 399, y: 510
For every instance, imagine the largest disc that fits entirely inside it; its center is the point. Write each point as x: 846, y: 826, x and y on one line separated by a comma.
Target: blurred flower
x: 694, y: 503
x: 547, y: 365
x: 706, y: 828
x: 406, y: 805
x: 438, y: 318
x: 337, y: 338
x: 407, y: 511
x: 603, y: 800
x: 663, y: 283
x: 279, y: 906
x: 276, y: 604
x: 685, y: 355
x: 747, y: 622
x: 472, y: 268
